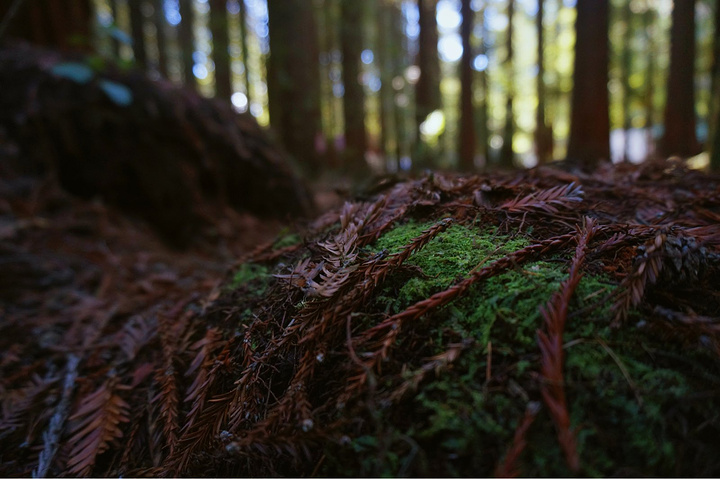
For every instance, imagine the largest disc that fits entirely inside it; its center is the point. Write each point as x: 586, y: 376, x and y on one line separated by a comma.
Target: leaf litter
x: 535, y: 323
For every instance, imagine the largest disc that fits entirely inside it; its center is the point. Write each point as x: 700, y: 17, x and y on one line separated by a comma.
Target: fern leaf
x: 94, y: 426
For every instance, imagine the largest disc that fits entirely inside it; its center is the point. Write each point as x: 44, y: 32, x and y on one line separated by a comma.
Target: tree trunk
x: 294, y: 79
x: 351, y: 40
x: 590, y: 120
x: 467, y: 123
x: 187, y: 41
x: 137, y: 31
x: 483, y: 132
x: 714, y: 141
x: 160, y: 24
x: 384, y: 22
x: 626, y: 67
x: 427, y: 90
x: 679, y: 137
x: 244, y: 46
x: 543, y: 135
x: 507, y: 153
x: 648, y: 22
x: 220, y: 53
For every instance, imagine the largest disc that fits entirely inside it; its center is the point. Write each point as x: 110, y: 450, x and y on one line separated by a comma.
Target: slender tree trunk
x: 467, y: 121
x: 220, y: 53
x: 385, y: 28
x: 483, y: 131
x: 351, y: 39
x: 399, y: 60
x: 714, y: 141
x: 507, y: 153
x: 294, y: 79
x: 137, y: 31
x: 244, y: 47
x: 679, y: 137
x: 427, y: 90
x: 187, y: 41
x: 160, y: 24
x: 648, y: 24
x: 114, y: 41
x: 543, y: 135
x: 626, y: 67
x: 590, y: 121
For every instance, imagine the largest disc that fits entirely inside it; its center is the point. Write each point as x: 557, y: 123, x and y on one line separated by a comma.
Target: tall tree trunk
x: 187, y: 41
x: 351, y: 40
x: 137, y: 31
x: 398, y: 60
x: 160, y: 24
x: 626, y: 67
x: 590, y: 119
x: 483, y: 132
x: 294, y: 79
x: 543, y: 135
x: 385, y: 28
x: 244, y: 46
x: 648, y: 23
x: 714, y: 140
x: 467, y: 122
x: 220, y: 52
x: 427, y: 90
x: 679, y: 137
x: 115, y: 43
x: 507, y: 153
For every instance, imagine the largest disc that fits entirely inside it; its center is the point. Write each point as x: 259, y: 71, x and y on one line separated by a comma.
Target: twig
x: 51, y: 436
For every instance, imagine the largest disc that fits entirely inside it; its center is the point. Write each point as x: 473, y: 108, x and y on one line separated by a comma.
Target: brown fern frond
x: 167, y: 401
x: 646, y: 271
x: 17, y: 404
x: 509, y: 466
x: 551, y: 348
x: 547, y: 201
x: 94, y: 426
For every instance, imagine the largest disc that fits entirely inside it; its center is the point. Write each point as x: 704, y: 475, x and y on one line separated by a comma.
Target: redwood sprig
x: 551, y: 348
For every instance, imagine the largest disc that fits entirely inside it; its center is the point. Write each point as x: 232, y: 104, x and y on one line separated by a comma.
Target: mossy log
x: 153, y: 149
x: 542, y: 324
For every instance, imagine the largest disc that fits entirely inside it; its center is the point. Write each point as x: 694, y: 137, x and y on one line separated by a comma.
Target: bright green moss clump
x: 636, y: 401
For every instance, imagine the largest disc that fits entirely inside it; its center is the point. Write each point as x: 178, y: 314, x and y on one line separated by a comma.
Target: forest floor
x: 79, y: 279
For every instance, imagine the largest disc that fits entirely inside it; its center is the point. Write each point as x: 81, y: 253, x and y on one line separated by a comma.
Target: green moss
x: 247, y: 273
x: 287, y: 239
x: 628, y: 402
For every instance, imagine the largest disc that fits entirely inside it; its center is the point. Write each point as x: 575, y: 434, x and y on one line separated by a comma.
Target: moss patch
x: 625, y: 389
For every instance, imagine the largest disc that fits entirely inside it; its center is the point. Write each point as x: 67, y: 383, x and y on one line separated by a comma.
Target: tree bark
x: 507, y: 153
x: 589, y: 141
x: 467, y: 121
x: 679, y: 137
x: 187, y: 41
x: 427, y: 90
x: 294, y: 79
x: 351, y: 40
x: 137, y: 32
x: 160, y: 24
x: 543, y: 134
x: 244, y: 46
x: 220, y: 53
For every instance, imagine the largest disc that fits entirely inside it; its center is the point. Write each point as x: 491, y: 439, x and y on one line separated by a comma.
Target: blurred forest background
x: 392, y: 85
